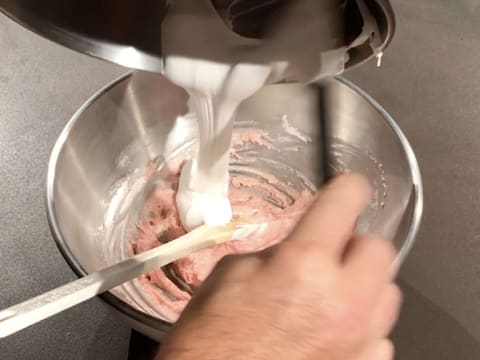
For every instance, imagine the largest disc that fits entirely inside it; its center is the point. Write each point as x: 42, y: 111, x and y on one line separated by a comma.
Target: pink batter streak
x: 170, y: 288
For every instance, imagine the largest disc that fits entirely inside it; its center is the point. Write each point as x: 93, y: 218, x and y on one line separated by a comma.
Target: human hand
x: 324, y: 293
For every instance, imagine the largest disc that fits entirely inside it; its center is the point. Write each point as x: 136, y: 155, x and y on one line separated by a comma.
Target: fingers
x: 387, y: 311
x: 369, y: 264
x: 380, y: 350
x: 384, y: 351
x: 329, y: 223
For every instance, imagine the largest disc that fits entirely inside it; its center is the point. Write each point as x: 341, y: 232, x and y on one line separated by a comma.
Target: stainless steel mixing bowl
x: 141, y: 117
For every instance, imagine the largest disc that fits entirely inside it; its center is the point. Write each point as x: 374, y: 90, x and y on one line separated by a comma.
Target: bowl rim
x: 156, y: 323
x: 65, y: 250
x: 417, y: 184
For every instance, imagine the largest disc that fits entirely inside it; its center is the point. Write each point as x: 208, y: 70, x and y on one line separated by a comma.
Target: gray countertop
x: 429, y: 82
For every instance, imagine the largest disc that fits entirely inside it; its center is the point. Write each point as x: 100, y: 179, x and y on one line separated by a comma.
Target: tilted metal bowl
x: 125, y: 125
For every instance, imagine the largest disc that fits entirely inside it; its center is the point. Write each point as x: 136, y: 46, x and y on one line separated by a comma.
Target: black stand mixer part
x: 128, y: 32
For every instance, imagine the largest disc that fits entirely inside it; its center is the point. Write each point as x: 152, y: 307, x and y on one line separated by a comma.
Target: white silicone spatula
x: 55, y: 301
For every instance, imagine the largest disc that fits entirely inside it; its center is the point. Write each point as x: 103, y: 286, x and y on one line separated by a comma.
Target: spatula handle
x: 57, y: 300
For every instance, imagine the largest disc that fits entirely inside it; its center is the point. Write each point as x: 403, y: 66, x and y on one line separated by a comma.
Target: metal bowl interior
x: 131, y: 121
